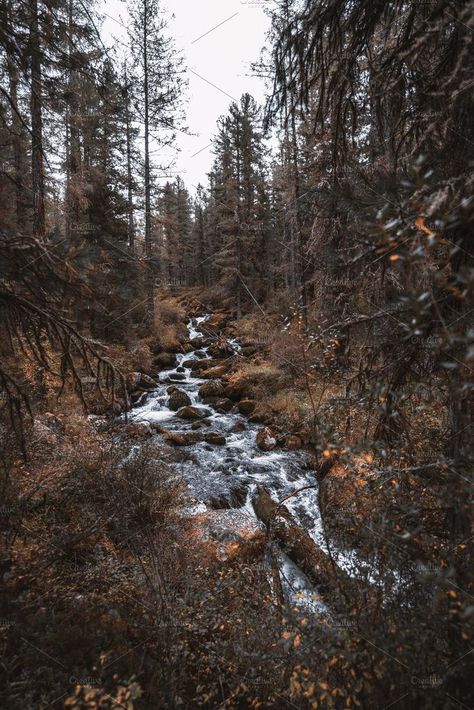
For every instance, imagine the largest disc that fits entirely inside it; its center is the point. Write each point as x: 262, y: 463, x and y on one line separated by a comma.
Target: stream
x: 222, y: 479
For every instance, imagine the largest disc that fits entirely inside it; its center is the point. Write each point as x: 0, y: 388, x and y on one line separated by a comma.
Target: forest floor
x: 112, y: 597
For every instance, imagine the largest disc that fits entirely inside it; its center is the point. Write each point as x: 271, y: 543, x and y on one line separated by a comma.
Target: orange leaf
x: 420, y: 223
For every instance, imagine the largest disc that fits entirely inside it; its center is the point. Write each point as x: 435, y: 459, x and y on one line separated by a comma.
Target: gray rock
x: 178, y: 399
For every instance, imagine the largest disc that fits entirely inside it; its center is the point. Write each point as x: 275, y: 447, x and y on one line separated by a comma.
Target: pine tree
x: 239, y: 202
x: 157, y: 97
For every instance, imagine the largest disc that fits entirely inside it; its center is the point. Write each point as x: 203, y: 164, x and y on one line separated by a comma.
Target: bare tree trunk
x: 36, y: 108
x: 148, y: 245
x: 17, y: 134
x: 239, y: 240
x: 300, y: 548
x: 131, y: 225
x: 301, y: 270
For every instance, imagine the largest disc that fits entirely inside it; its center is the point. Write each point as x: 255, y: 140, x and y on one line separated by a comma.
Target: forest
x: 236, y: 417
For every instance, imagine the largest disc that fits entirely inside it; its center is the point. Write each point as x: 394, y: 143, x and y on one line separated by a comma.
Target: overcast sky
x: 219, y: 40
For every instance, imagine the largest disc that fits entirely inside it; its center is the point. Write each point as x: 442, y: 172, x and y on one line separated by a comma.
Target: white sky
x: 222, y: 56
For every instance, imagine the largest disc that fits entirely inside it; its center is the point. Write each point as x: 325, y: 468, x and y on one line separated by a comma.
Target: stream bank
x: 223, y: 456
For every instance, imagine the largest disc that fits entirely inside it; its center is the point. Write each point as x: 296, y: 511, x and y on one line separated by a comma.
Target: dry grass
x: 168, y: 311
x: 254, y: 327
x: 259, y: 379
x: 169, y: 327
x: 139, y: 358
x: 292, y: 408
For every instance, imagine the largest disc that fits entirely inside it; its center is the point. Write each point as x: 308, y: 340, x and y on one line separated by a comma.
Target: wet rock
x: 218, y: 371
x: 214, y: 438
x: 224, y: 405
x: 211, y: 389
x: 137, y: 396
x: 187, y: 363
x: 221, y: 349
x: 200, y: 354
x: 147, y: 383
x: 178, y: 399
x: 163, y: 360
x: 246, y: 406
x: 177, y: 376
x: 199, y: 366
x: 180, y: 368
x: 186, y: 348
x: 200, y: 424
x: 196, y: 343
x: 234, y: 391
x: 215, y: 322
x: 237, y: 428
x: 234, y: 499
x: 266, y: 439
x: 138, y: 380
x: 210, y: 400
x: 182, y: 438
x: 193, y: 413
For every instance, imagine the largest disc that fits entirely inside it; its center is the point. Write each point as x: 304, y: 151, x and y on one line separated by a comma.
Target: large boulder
x: 223, y: 405
x: 266, y: 439
x: 211, y: 389
x: 221, y: 348
x: 193, y: 413
x: 178, y: 399
x: 215, y: 372
x: 177, y: 376
x: 246, y: 406
x: 215, y: 323
x: 213, y: 438
x: 234, y: 391
x: 199, y: 366
x: 138, y: 380
x: 182, y: 438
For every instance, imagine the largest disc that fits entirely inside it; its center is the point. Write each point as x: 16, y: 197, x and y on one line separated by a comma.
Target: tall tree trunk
x: 17, y: 141
x: 148, y: 246
x: 36, y: 108
x: 128, y: 129
x: 239, y: 236
x: 301, y: 271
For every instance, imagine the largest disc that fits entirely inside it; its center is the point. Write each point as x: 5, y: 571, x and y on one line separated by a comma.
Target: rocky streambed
x: 227, y: 457
x: 225, y: 464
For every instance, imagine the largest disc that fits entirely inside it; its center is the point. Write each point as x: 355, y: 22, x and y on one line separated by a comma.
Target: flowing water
x: 225, y: 477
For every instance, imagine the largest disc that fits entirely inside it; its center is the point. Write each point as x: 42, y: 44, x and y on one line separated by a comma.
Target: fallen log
x: 332, y: 582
